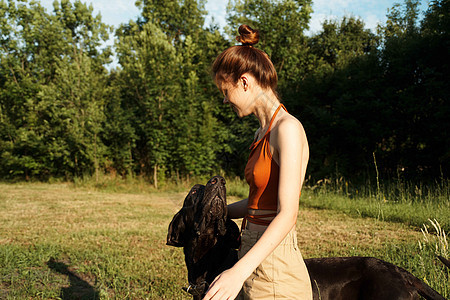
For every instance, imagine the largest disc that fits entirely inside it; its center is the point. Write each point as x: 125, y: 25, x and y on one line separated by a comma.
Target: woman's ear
x: 244, y: 81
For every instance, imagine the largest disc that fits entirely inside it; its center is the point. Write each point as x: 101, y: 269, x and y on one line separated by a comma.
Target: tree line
x: 369, y: 101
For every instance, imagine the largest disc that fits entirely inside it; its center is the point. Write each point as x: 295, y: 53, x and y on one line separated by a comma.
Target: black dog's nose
x: 216, y: 179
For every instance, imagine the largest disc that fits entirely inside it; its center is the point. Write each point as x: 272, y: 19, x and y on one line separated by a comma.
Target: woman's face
x: 236, y: 95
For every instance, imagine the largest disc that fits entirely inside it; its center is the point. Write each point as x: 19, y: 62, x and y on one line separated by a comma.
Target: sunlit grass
x: 114, y: 242
x: 87, y: 242
x: 395, y: 202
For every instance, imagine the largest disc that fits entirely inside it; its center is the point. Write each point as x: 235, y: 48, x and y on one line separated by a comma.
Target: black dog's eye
x: 194, y: 192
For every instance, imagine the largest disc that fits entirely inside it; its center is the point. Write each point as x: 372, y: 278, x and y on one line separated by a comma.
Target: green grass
x: 114, y: 243
x: 414, y: 213
x: 395, y: 202
x: 107, y: 241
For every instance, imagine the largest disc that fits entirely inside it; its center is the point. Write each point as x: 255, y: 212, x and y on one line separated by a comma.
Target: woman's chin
x: 236, y: 111
x: 239, y: 113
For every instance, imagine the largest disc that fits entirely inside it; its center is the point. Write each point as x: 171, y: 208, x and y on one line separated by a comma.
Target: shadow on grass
x: 78, y: 288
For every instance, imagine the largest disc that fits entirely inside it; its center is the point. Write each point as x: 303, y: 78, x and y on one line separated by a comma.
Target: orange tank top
x: 262, y: 175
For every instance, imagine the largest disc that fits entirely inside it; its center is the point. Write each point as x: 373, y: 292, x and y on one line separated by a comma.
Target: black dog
x: 209, y: 239
x: 347, y: 278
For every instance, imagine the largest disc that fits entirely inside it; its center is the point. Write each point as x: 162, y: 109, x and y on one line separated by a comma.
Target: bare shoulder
x: 289, y: 128
x: 289, y: 138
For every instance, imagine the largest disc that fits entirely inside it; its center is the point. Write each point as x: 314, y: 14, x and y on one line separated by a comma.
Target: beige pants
x: 282, y: 275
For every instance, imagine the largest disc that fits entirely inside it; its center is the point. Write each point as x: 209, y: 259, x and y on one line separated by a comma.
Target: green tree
x: 435, y: 75
x: 22, y: 152
x: 149, y: 87
x: 415, y: 75
x: 194, y: 144
x: 338, y: 98
x: 74, y: 104
x: 384, y: 94
x: 175, y: 18
x: 189, y: 133
x: 48, y: 62
x: 402, y: 18
x: 401, y: 58
x: 340, y: 42
x: 118, y: 133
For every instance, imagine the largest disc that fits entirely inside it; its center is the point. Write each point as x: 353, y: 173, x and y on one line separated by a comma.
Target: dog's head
x: 201, y: 219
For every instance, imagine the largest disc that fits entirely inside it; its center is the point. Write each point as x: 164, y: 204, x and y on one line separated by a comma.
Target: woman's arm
x: 292, y: 152
x: 238, y: 209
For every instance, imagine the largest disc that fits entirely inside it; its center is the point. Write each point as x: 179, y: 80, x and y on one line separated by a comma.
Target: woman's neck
x: 267, y: 104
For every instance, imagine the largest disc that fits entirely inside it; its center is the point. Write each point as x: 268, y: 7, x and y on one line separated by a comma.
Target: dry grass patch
x: 330, y: 233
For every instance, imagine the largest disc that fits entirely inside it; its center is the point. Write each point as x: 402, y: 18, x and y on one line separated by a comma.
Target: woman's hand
x: 226, y: 286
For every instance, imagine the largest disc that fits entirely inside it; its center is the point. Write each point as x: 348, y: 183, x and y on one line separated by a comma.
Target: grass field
x: 62, y: 241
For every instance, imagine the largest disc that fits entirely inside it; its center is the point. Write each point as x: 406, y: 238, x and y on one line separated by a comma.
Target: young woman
x: 270, y: 264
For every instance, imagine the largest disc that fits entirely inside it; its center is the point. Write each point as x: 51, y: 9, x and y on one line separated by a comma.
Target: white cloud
x: 216, y: 8
x: 336, y: 9
x: 113, y: 12
x: 372, y: 21
x: 372, y: 12
x: 317, y: 19
x: 330, y: 6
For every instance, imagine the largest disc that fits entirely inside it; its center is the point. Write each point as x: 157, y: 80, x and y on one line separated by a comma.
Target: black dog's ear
x: 191, y: 197
x: 175, y: 235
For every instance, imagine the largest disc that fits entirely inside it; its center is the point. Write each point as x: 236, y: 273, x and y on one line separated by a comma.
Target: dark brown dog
x: 347, y: 278
x: 210, y: 239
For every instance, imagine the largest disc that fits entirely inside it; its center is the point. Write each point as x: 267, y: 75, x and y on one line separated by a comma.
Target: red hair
x: 237, y: 60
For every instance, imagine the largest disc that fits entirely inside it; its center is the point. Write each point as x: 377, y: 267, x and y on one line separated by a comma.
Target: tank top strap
x: 274, y: 116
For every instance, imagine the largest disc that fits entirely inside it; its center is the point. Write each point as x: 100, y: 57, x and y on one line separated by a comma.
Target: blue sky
x: 372, y: 12
x: 115, y: 12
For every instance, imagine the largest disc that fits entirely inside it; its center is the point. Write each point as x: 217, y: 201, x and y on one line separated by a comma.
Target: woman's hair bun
x: 248, y: 36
